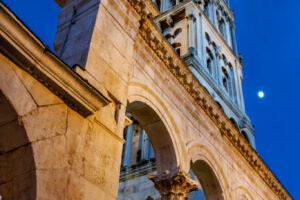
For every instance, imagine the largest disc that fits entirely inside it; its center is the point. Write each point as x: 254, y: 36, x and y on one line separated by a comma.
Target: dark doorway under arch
x: 208, y: 180
x: 158, y: 134
x: 148, y: 149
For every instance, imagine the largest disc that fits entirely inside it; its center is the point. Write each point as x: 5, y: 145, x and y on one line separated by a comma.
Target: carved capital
x: 174, y: 185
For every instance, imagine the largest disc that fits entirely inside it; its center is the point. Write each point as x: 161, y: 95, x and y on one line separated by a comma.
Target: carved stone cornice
x: 174, y: 185
x: 160, y: 46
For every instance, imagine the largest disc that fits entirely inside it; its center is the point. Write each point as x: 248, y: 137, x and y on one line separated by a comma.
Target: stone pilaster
x: 191, y: 20
x: 174, y: 185
x: 234, y: 45
x: 218, y: 68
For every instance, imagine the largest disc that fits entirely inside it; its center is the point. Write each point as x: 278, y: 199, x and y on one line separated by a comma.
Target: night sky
x: 268, y: 38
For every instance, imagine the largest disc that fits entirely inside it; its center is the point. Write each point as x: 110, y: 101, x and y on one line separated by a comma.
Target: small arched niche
x: 208, y: 180
x: 17, y: 166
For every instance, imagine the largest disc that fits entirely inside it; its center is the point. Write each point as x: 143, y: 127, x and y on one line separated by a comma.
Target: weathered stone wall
x: 71, y: 157
x: 78, y: 157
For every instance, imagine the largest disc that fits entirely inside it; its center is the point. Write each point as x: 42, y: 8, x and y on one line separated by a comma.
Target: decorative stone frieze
x: 154, y: 38
x: 174, y: 185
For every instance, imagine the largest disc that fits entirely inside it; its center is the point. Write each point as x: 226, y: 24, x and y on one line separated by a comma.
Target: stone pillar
x: 213, y: 13
x: 232, y: 30
x: 238, y: 85
x: 241, y: 96
x: 218, y: 67
x: 127, y: 153
x: 191, y: 19
x: 174, y: 185
x: 228, y: 33
x: 146, y: 147
x: 199, y: 39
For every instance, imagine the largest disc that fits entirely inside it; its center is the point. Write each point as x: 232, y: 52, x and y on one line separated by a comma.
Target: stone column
x: 191, y: 19
x: 174, y: 185
x: 241, y: 96
x: 236, y: 85
x: 199, y: 40
x: 146, y: 147
x: 232, y: 30
x: 127, y: 153
x: 228, y: 33
x: 213, y: 13
x: 218, y: 67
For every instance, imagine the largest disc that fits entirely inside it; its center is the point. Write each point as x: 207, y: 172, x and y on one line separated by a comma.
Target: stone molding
x: 174, y: 185
x: 20, y: 45
x: 161, y: 47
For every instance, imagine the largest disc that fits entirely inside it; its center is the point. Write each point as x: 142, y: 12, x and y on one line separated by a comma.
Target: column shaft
x: 127, y: 154
x: 232, y: 29
x: 199, y: 40
x: 191, y: 19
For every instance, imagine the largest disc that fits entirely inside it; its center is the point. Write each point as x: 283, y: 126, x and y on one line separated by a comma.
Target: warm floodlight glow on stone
x: 261, y: 94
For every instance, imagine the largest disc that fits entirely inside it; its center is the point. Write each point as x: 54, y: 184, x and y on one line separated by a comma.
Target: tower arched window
x: 208, y: 64
x: 209, y: 61
x: 225, y: 80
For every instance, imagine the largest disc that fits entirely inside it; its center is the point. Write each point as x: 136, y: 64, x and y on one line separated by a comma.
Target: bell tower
x: 202, y: 32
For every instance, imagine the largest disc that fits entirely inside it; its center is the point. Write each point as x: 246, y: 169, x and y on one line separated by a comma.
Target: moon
x: 261, y: 94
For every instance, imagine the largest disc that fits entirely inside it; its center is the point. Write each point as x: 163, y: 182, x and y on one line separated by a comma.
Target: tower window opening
x: 209, y: 61
x: 225, y: 80
x: 208, y: 64
x: 221, y: 26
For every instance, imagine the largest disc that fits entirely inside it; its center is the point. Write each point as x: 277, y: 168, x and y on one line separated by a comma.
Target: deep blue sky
x: 268, y: 37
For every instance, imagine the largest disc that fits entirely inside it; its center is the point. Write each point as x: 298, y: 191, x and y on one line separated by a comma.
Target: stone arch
x: 157, y: 133
x: 241, y: 193
x: 158, y: 124
x: 17, y: 169
x: 210, y: 173
x: 208, y: 180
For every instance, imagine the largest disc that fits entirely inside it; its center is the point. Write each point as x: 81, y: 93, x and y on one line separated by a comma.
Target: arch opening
x: 17, y: 169
x: 158, y: 134
x: 210, y: 186
x: 148, y: 149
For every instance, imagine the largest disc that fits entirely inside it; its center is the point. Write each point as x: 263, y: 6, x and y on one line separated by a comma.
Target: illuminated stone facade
x: 63, y: 114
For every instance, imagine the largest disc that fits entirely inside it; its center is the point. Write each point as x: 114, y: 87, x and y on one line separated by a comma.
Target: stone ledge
x: 20, y: 45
